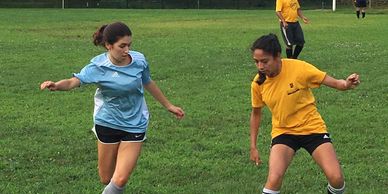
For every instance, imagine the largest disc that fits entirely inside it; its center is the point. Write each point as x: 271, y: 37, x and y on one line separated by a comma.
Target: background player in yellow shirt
x: 284, y: 86
x: 288, y: 12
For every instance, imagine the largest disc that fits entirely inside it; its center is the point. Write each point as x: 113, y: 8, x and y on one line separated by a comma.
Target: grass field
x: 201, y: 60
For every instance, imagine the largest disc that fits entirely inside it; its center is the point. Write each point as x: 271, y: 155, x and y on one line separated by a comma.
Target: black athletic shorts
x: 113, y: 136
x: 293, y: 34
x: 308, y: 142
x: 360, y: 3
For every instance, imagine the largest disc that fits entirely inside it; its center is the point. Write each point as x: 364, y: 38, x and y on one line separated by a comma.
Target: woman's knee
x: 336, y: 180
x: 120, y: 180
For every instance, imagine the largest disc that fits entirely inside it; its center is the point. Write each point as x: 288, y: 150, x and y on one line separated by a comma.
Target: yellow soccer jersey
x: 290, y: 100
x: 289, y: 9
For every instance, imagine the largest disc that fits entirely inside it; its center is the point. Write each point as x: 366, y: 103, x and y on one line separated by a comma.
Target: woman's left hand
x: 306, y: 20
x: 177, y: 111
x: 352, y: 81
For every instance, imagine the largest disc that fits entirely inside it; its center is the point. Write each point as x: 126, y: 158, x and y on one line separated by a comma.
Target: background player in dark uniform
x: 360, y: 5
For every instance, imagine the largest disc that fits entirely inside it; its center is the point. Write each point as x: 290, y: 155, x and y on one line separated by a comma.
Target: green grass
x: 201, y: 60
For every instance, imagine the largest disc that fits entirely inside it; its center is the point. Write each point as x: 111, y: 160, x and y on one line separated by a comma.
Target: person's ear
x: 279, y: 57
x: 108, y: 46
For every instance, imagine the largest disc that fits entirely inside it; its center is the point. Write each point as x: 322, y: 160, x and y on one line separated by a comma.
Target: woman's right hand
x: 255, y: 156
x: 285, y: 24
x: 49, y: 85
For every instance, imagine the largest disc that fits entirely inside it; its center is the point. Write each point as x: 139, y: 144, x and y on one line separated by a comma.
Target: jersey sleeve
x: 279, y: 5
x: 146, y: 76
x: 89, y: 74
x: 256, y: 98
x: 312, y: 76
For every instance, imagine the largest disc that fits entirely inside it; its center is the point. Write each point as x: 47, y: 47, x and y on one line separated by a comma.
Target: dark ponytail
x: 269, y: 44
x: 98, y: 36
x: 110, y: 33
x: 262, y: 78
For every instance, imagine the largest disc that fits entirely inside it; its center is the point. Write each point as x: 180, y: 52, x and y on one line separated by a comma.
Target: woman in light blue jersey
x: 120, y: 113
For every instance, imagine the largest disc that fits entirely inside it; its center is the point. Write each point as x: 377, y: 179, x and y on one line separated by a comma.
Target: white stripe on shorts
x: 285, y: 35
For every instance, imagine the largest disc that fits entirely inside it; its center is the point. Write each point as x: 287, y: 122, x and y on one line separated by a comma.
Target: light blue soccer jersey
x: 119, y: 99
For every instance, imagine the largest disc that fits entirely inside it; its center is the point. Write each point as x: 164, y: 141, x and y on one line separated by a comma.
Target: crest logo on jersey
x: 292, y: 89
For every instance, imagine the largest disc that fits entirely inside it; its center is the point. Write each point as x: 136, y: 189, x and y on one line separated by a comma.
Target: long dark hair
x: 269, y: 44
x: 110, y: 33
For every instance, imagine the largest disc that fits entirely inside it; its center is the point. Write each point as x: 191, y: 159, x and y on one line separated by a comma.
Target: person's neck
x: 277, y: 72
x: 118, y: 62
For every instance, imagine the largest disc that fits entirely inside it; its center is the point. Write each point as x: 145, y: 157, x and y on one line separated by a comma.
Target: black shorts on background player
x: 293, y: 34
x: 361, y: 3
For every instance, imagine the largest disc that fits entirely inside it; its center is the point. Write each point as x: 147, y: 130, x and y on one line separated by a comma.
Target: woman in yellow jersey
x: 288, y: 12
x: 284, y: 86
